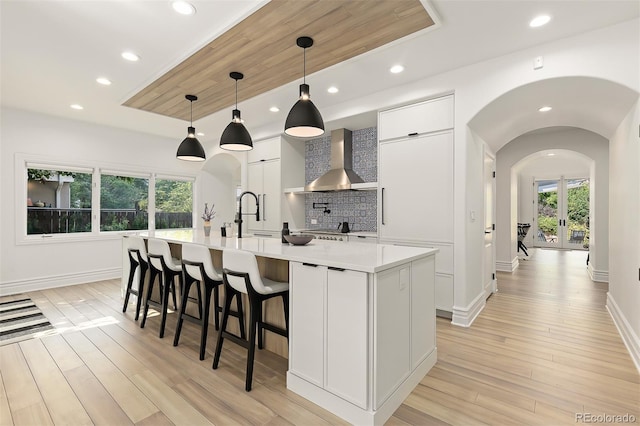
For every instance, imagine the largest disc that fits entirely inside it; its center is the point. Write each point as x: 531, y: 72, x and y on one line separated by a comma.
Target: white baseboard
x: 465, y: 316
x: 629, y: 337
x: 596, y: 275
x: 43, y: 283
x: 506, y: 266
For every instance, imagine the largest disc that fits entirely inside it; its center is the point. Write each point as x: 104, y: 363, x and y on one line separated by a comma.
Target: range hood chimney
x: 341, y: 175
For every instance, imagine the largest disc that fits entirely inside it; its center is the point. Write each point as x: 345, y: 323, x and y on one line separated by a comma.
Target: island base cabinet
x: 329, y: 317
x: 360, y: 342
x: 307, y: 321
x: 347, y: 335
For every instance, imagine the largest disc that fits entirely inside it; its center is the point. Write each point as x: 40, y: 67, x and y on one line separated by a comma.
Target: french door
x: 561, y: 213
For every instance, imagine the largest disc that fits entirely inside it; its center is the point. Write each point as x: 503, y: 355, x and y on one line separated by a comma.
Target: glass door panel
x: 577, y: 222
x: 547, y: 214
x: 562, y: 213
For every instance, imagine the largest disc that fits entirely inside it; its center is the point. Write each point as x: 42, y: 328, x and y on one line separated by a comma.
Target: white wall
x: 581, y: 141
x: 216, y: 184
x: 46, y: 264
x: 624, y: 236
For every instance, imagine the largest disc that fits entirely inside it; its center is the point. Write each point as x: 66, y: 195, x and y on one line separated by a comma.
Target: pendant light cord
x: 304, y: 66
x: 191, y: 120
x: 236, y: 94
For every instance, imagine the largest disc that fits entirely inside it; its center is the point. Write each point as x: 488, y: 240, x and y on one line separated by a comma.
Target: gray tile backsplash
x: 356, y: 207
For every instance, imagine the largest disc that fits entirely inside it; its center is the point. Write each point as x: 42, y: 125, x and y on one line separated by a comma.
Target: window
x: 58, y: 201
x: 84, y: 201
x: 174, y: 203
x: 124, y: 202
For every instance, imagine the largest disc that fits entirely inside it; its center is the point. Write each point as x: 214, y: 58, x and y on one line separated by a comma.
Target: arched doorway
x: 513, y: 130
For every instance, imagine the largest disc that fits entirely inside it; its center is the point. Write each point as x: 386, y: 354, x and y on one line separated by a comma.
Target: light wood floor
x: 543, y: 349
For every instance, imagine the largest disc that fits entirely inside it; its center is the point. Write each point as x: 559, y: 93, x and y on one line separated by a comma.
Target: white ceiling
x: 52, y: 52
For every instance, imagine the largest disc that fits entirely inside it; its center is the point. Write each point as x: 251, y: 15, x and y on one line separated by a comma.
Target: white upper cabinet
x: 264, y: 181
x: 416, y: 189
x: 264, y: 150
x: 428, y: 116
x: 415, y: 180
x: 274, y: 164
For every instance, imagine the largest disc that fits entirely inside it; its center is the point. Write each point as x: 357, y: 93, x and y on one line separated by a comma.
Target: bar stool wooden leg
x: 254, y: 312
x: 152, y: 278
x: 259, y: 326
x: 217, y: 308
x: 204, y: 316
x: 183, y: 308
x: 285, y: 304
x: 127, y: 293
x: 165, y: 289
x: 143, y: 272
x: 228, y: 296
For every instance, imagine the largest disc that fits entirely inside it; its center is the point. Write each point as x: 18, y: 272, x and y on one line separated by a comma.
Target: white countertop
x: 364, y: 257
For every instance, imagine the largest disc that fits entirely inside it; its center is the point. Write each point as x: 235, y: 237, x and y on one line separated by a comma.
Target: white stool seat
x: 244, y: 261
x: 161, y: 247
x: 271, y: 286
x: 201, y: 254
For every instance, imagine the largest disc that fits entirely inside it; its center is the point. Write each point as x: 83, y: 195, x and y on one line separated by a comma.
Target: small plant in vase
x: 207, y: 216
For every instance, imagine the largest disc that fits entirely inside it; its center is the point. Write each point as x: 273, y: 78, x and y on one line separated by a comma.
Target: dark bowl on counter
x: 299, y: 239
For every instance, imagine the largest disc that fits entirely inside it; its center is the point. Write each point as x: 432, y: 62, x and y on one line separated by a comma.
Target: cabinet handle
x: 382, y: 208
x: 333, y: 268
x: 264, y: 206
x: 413, y: 134
x: 262, y: 235
x: 361, y: 236
x: 309, y: 264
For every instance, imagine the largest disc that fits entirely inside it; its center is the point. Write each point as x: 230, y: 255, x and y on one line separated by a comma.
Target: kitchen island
x: 362, y: 318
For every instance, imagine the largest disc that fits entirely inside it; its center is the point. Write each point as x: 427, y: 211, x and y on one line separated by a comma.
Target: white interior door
x: 489, y: 270
x: 561, y: 213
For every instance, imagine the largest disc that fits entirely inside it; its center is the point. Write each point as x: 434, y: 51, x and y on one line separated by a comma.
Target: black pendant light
x: 304, y: 119
x: 190, y: 149
x: 236, y: 137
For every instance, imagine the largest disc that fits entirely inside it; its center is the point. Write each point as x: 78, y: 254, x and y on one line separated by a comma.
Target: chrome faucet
x: 239, y: 218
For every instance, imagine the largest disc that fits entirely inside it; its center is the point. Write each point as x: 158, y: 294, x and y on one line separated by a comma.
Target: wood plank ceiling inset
x: 263, y: 47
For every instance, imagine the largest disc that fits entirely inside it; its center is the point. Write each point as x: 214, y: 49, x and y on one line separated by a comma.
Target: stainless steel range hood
x: 341, y: 175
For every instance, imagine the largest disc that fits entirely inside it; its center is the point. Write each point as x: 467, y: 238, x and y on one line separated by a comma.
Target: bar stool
x: 138, y: 265
x: 166, y: 268
x: 198, y: 268
x: 241, y: 275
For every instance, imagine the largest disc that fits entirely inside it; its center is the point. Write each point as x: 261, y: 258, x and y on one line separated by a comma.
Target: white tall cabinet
x: 273, y: 164
x: 415, y: 189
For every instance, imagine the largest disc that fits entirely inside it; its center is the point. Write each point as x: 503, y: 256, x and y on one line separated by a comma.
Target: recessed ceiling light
x: 396, y: 69
x: 200, y: 134
x: 539, y: 21
x: 545, y: 109
x: 104, y: 81
x: 183, y: 7
x: 274, y: 109
x: 76, y: 106
x: 130, y: 56
x: 551, y: 154
x: 333, y: 89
